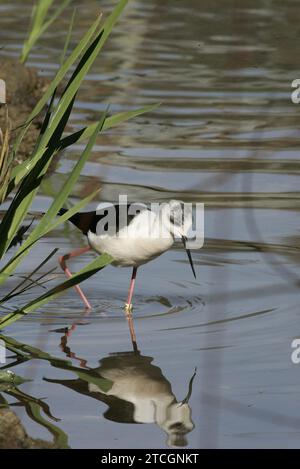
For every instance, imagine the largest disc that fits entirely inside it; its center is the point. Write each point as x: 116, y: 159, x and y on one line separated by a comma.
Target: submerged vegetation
x: 20, y: 184
x: 10, y: 386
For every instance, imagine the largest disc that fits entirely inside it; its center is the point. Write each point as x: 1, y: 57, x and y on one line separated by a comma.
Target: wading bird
x: 131, y: 240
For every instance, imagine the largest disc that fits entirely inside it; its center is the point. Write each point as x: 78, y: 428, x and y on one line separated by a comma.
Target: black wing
x: 88, y: 221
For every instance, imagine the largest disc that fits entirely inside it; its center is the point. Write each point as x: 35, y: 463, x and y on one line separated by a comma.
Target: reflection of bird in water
x: 136, y: 392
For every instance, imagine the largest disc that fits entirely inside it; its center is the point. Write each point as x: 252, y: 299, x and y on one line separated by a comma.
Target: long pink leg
x: 62, y: 261
x: 132, y: 332
x: 128, y: 308
x: 131, y: 289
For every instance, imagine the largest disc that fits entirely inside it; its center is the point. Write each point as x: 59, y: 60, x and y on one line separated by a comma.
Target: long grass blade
x: 110, y: 122
x: 21, y: 170
x: 29, y: 187
x: 13, y: 262
x: 93, y: 267
x: 68, y: 38
x: 14, y: 290
x: 42, y: 156
x: 39, y: 24
x: 43, y: 226
x: 102, y: 36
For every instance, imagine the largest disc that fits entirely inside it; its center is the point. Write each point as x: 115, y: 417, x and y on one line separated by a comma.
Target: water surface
x: 226, y: 134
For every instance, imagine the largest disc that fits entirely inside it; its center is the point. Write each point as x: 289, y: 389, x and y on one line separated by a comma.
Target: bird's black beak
x: 183, y: 238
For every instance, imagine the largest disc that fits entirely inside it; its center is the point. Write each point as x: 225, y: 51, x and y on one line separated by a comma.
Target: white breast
x: 141, y: 241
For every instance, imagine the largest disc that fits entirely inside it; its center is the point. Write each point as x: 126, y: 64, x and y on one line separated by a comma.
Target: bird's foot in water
x: 128, y: 308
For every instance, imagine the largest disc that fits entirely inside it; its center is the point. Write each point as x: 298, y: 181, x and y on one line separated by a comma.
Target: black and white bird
x: 132, y: 234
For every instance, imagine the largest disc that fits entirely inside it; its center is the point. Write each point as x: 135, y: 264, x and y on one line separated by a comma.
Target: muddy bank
x: 14, y: 436
x: 24, y: 89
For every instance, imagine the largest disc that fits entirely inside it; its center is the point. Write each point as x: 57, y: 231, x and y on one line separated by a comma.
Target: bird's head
x: 178, y: 218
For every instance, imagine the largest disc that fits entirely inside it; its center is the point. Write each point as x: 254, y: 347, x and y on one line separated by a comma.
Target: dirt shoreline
x: 24, y: 88
x: 14, y: 436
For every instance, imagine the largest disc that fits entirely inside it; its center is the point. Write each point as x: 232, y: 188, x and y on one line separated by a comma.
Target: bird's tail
x: 83, y: 220
x: 62, y: 211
